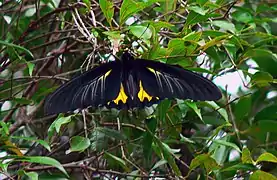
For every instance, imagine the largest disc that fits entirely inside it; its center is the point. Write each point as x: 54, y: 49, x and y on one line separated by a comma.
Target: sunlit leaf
x: 246, y: 156
x: 261, y: 175
x: 108, y: 9
x: 46, y: 161
x: 79, y: 143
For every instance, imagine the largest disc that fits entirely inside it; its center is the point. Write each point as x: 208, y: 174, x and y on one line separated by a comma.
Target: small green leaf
x: 261, y: 175
x: 242, y: 16
x: 61, y: 121
x: 239, y: 166
x: 120, y: 161
x: 225, y: 143
x: 4, y: 128
x: 141, y: 32
x: 55, y: 126
x: 107, y: 8
x: 30, y: 68
x: 162, y: 109
x: 214, y: 42
x: 44, y: 160
x: 267, y: 113
x: 246, y: 156
x: 32, y: 175
x: 194, y: 107
x: 167, y: 154
x: 112, y: 133
x: 113, y: 34
x: 186, y: 140
x: 22, y: 100
x: 147, y: 141
x: 228, y: 26
x: 261, y: 79
x: 16, y: 47
x: 268, y: 157
x: 130, y: 7
x: 221, y: 111
x: 198, y: 10
x: 242, y: 108
x: 206, y: 160
x: 79, y: 143
x: 158, y: 164
x: 41, y: 142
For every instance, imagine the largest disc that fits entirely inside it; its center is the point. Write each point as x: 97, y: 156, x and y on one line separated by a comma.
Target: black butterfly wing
x: 162, y: 81
x: 95, y: 87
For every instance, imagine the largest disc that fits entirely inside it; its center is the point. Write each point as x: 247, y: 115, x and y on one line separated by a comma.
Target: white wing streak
x: 91, y: 90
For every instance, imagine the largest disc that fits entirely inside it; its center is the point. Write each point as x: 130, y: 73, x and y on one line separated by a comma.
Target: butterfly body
x: 130, y: 83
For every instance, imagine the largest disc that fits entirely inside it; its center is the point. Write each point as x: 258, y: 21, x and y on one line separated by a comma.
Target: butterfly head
x: 126, y: 56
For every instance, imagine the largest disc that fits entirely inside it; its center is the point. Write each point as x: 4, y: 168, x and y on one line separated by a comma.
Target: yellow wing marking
x: 152, y: 70
x: 142, y: 94
x: 107, y: 73
x: 121, y: 96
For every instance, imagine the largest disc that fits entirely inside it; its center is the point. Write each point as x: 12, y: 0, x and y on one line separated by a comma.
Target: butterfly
x: 130, y: 83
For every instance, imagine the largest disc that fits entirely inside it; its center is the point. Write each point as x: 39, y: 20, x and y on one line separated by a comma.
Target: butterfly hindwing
x: 93, y: 88
x: 169, y: 81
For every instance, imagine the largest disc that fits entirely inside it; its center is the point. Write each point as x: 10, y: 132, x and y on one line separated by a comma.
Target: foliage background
x: 44, y: 43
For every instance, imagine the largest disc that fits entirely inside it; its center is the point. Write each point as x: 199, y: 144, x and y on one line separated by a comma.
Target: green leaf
x: 32, y: 175
x: 55, y: 126
x: 198, y: 10
x: 242, y: 108
x: 246, y: 156
x: 130, y: 7
x: 61, y: 121
x: 147, y: 141
x: 220, y: 152
x: 158, y: 164
x: 206, y: 160
x: 22, y: 100
x: 112, y: 133
x: 113, y: 34
x: 194, y: 107
x: 194, y: 18
x: 267, y: 113
x: 193, y: 36
x: 266, y: 60
x: 242, y: 16
x: 4, y: 128
x: 261, y: 79
x: 79, y: 143
x: 141, y: 32
x: 40, y: 141
x: 167, y: 154
x: 264, y: 127
x: 213, y: 42
x: 239, y: 166
x: 228, y: 26
x: 162, y: 109
x: 30, y: 68
x: 221, y: 111
x: 261, y: 175
x: 44, y: 160
x: 185, y: 139
x: 107, y: 8
x: 268, y: 157
x: 225, y: 143
x: 120, y: 161
x: 16, y: 47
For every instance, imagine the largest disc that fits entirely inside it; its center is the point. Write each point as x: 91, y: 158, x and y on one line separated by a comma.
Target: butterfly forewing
x: 169, y: 81
x: 93, y: 88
